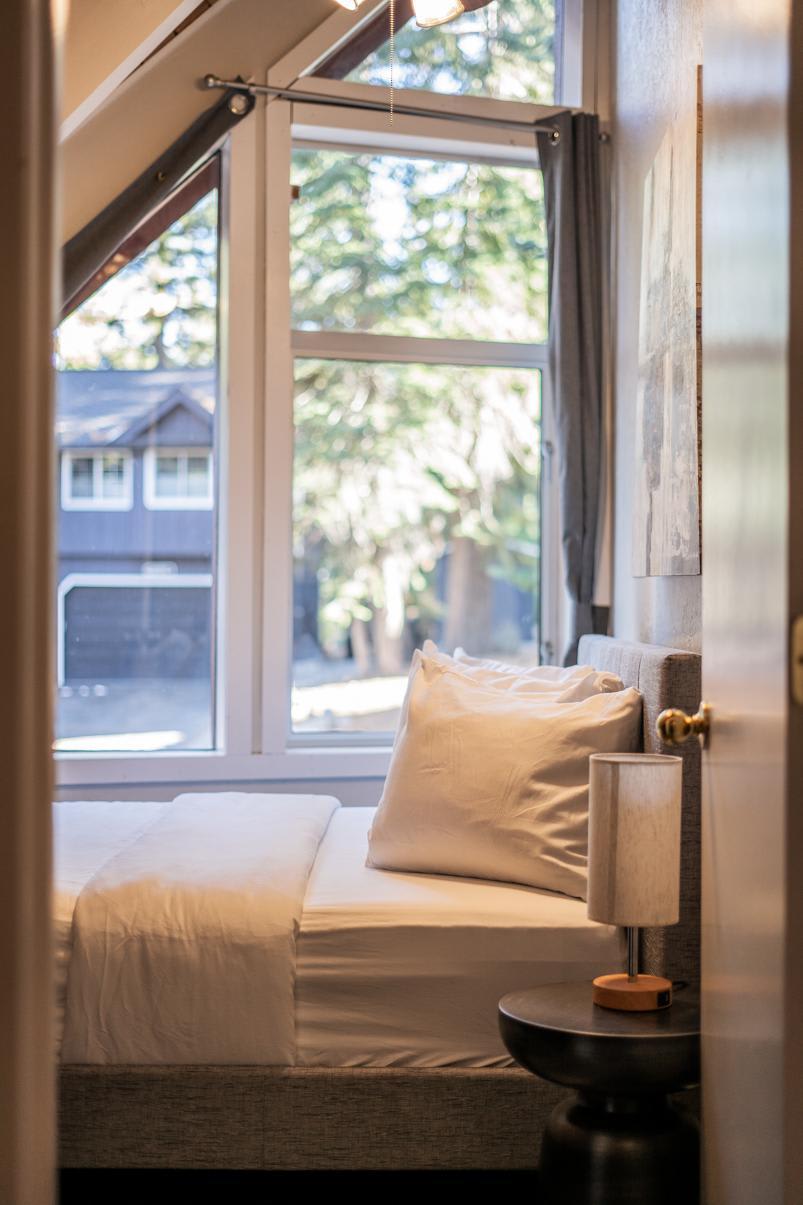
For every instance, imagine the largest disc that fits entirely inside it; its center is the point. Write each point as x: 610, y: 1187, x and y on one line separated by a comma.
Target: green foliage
x: 395, y: 461
x: 392, y: 463
x: 160, y: 310
x: 418, y: 247
x: 506, y: 50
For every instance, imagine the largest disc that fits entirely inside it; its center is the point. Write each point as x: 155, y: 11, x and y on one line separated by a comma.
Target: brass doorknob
x: 674, y: 727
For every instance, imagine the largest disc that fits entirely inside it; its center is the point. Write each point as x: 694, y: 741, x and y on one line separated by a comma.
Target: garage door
x: 112, y: 632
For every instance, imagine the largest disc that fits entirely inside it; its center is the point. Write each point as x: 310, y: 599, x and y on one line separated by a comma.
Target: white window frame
x: 153, y: 501
x: 97, y: 501
x: 308, y: 125
x: 254, y: 452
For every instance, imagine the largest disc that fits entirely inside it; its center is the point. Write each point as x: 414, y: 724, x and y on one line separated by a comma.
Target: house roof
x: 98, y: 408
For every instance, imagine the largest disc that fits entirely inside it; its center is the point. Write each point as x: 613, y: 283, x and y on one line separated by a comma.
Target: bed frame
x: 288, y: 1118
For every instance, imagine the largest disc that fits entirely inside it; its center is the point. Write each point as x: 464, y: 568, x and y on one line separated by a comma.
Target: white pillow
x: 492, y: 784
x: 568, y: 684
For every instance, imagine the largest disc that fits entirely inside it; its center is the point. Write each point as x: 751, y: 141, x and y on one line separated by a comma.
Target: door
x: 752, y: 506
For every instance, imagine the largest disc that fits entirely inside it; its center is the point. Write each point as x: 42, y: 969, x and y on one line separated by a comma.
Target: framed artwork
x: 667, y: 510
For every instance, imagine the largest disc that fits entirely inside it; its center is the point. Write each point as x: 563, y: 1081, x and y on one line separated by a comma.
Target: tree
x: 401, y: 468
x: 157, y: 312
x: 506, y: 50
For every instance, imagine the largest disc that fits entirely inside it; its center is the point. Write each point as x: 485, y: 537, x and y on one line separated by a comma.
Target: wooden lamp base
x: 636, y: 994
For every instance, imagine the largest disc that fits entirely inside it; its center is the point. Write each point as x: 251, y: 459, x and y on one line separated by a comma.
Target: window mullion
x: 347, y: 345
x: 239, y: 469
x: 277, y: 648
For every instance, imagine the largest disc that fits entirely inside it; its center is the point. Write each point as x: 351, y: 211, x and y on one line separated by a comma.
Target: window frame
x: 97, y: 501
x: 153, y: 501
x: 302, y: 125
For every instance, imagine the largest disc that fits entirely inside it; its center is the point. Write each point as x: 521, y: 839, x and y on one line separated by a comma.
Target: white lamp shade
x: 436, y: 12
x: 634, y: 838
x: 351, y: 5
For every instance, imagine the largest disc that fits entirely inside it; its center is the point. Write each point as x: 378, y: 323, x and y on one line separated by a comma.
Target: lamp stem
x: 632, y: 953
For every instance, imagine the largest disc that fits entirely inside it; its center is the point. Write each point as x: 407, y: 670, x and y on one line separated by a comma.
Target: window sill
x: 186, y: 769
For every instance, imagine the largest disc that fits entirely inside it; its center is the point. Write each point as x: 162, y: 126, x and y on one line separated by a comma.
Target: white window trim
x: 97, y: 501
x: 150, y: 497
x: 112, y: 581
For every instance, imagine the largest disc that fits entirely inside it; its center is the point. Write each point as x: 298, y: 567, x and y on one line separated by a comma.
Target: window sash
x: 98, y: 499
x: 182, y: 499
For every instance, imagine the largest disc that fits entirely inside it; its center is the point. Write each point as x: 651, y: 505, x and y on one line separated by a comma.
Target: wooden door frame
x: 27, y: 311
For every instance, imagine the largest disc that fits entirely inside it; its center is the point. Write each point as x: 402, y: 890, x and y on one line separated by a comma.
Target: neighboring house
x: 136, y: 496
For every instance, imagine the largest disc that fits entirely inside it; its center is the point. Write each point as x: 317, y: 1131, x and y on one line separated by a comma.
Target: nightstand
x: 619, y: 1139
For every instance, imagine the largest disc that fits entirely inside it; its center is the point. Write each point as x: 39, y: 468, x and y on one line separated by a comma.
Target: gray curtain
x: 574, y: 214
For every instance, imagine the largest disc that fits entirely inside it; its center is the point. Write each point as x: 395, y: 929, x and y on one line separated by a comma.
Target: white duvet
x: 183, y: 945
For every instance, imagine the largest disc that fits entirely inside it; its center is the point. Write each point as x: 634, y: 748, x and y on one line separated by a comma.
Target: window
x: 419, y: 310
x: 507, y: 49
x: 178, y: 479
x: 137, y: 378
x: 384, y: 472
x: 96, y: 480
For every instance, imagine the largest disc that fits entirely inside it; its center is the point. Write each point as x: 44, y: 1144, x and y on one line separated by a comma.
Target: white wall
x: 658, y: 47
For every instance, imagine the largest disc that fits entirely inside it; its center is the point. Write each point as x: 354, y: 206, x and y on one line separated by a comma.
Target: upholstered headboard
x: 666, y: 678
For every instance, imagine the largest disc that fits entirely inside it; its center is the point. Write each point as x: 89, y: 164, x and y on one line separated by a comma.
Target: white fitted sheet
x: 398, y: 969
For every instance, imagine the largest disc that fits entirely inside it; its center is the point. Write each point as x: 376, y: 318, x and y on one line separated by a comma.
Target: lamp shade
x: 634, y: 838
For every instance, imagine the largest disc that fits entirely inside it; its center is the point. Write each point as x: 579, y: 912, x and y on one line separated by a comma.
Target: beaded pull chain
x: 392, y: 52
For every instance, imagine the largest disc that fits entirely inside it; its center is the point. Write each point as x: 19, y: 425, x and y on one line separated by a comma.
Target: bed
x: 392, y: 1057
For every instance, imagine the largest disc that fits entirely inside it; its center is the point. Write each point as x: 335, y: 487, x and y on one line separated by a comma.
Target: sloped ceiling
x: 105, y: 41
x: 144, y: 114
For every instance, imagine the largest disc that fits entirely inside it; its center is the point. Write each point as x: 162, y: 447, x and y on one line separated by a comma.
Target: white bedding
x: 389, y: 968
x: 184, y: 940
x: 399, y: 969
x: 85, y: 835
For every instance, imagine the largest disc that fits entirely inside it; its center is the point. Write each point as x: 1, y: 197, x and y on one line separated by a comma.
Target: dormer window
x: 178, y: 479
x: 96, y: 480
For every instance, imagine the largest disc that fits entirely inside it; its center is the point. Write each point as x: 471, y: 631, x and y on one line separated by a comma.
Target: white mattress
x: 392, y: 969
x: 401, y: 969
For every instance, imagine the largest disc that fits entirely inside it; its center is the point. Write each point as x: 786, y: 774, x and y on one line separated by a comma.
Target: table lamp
x: 634, y: 863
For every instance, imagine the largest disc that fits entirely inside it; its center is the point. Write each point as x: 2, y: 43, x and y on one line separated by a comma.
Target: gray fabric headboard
x: 666, y: 678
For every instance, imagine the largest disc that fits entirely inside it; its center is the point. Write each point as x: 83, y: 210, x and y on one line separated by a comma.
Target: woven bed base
x: 301, y: 1117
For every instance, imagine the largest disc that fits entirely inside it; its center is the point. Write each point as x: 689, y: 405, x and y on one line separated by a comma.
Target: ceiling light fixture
x: 436, y: 12
x: 428, y: 13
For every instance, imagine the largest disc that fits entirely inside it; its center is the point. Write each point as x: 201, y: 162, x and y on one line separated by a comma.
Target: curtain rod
x: 373, y: 106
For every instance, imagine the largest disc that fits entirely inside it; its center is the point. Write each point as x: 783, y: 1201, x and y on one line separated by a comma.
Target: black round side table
x: 619, y: 1140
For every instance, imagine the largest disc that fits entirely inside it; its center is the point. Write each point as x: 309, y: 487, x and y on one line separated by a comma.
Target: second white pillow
x: 492, y: 784
x: 567, y: 684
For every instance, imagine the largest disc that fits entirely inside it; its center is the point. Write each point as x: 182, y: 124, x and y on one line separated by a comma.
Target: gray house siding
x: 143, y: 627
